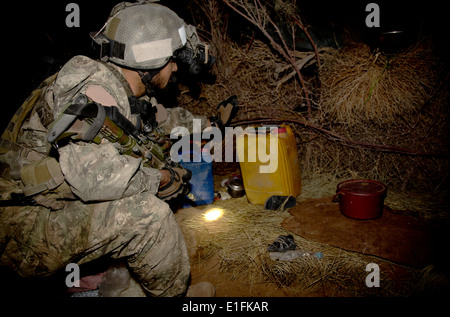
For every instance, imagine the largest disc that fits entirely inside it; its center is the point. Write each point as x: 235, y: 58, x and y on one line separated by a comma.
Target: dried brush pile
x: 391, y: 110
x: 360, y: 86
x: 252, y: 73
x: 359, y: 113
x: 388, y: 123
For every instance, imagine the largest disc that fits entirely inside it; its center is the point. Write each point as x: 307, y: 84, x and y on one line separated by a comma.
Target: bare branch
x: 313, y: 44
x: 283, y: 50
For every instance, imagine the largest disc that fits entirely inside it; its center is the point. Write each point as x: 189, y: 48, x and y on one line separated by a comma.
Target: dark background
x: 36, y: 42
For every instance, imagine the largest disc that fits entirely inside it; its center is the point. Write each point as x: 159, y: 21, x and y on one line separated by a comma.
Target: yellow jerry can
x: 269, y: 162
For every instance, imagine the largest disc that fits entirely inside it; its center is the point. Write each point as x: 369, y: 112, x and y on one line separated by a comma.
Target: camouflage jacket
x: 94, y: 172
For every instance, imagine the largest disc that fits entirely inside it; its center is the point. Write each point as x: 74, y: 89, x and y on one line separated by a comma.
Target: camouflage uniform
x: 116, y: 213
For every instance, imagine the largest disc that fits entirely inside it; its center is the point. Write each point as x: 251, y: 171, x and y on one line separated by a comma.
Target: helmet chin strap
x: 146, y: 78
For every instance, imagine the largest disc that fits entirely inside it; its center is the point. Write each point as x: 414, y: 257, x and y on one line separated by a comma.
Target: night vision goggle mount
x: 196, y: 59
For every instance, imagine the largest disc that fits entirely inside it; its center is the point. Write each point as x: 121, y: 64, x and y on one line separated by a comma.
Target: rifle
x: 100, y: 122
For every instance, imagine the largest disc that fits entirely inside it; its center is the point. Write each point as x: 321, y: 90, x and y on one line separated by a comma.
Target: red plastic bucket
x: 361, y: 198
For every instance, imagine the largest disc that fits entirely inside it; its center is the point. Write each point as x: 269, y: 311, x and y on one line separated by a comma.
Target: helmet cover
x: 144, y: 36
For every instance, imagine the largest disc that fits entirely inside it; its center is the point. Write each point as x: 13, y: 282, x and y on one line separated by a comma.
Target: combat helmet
x: 144, y: 36
x: 141, y: 36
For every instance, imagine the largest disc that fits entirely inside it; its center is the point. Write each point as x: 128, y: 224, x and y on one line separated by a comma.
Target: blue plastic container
x: 202, y: 185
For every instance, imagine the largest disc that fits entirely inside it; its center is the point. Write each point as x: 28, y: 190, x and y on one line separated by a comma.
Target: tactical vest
x: 42, y: 178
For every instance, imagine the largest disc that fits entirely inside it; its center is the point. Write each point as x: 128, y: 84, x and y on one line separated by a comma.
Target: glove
x: 177, y: 185
x: 226, y: 110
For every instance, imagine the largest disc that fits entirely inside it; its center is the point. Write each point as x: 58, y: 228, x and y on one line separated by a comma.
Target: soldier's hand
x: 174, y: 181
x: 165, y: 178
x: 226, y: 110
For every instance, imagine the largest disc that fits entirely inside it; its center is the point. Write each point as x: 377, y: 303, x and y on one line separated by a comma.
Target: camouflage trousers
x: 142, y: 229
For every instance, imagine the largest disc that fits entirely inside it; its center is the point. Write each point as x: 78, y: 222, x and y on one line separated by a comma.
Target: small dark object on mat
x: 282, y: 244
x: 274, y: 202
